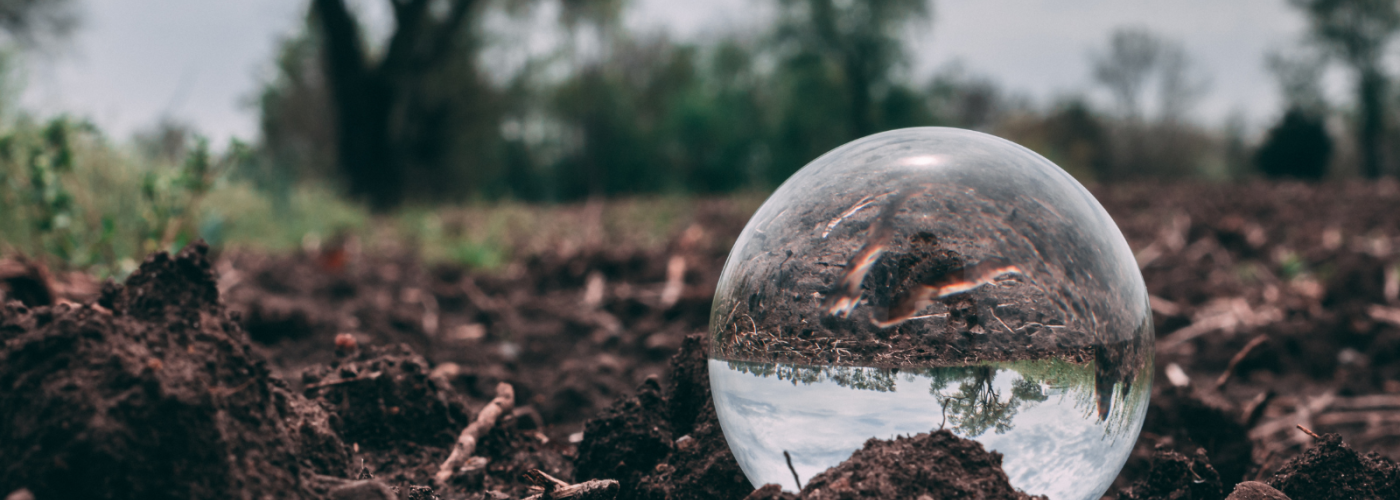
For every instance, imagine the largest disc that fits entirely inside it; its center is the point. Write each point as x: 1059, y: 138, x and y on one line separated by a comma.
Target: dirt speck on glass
x: 925, y: 279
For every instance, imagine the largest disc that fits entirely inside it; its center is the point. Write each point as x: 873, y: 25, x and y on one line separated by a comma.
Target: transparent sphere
x: 931, y: 278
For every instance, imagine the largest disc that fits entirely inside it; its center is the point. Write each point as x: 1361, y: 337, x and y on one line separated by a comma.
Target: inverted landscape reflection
x: 1027, y: 410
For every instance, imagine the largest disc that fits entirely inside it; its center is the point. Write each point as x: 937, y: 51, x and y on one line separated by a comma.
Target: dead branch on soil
x: 675, y: 281
x: 552, y: 488
x: 1384, y: 314
x: 1225, y: 314
x: 466, y: 442
x: 1235, y: 361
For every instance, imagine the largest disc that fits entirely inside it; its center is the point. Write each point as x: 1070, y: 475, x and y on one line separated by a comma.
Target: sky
x: 134, y: 62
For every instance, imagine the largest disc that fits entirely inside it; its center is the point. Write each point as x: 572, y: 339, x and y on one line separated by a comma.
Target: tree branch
x: 447, y: 31
x: 345, y: 57
x: 409, y: 18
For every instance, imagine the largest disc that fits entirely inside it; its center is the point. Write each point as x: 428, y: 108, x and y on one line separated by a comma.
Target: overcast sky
x: 199, y: 61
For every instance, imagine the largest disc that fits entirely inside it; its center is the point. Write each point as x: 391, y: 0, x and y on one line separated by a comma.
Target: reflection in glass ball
x: 933, y: 278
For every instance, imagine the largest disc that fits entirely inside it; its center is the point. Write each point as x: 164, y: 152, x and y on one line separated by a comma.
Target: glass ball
x: 933, y: 278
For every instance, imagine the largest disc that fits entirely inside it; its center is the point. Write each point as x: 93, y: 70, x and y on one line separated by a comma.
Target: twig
x: 864, y: 202
x: 1235, y: 361
x: 554, y: 489
x: 485, y: 420
x: 1003, y: 323
x: 788, y: 457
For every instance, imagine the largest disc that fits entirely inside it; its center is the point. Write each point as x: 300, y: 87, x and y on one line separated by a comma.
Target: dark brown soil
x: 156, y: 393
x: 937, y: 465
x: 1176, y: 476
x: 200, y: 379
x: 1334, y: 470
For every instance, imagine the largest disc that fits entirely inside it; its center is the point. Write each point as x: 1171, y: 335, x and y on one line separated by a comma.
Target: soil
x: 937, y: 465
x: 221, y: 375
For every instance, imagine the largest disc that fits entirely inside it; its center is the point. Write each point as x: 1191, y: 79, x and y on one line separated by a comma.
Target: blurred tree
x: 960, y: 99
x: 383, y: 124
x: 298, y: 133
x: 34, y: 22
x: 1297, y: 147
x: 1134, y: 59
x: 1137, y: 66
x: 1299, y: 75
x: 1126, y: 67
x: 837, y: 75
x: 1077, y: 137
x: 1357, y: 32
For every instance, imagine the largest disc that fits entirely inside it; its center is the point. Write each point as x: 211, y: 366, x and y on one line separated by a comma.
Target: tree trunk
x: 362, y: 99
x: 1371, y: 129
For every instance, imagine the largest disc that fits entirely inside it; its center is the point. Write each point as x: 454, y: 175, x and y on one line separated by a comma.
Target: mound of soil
x: 1334, y: 470
x: 1193, y: 424
x: 664, y: 445
x: 156, y: 393
x: 937, y: 465
x: 1176, y: 476
x: 383, y: 398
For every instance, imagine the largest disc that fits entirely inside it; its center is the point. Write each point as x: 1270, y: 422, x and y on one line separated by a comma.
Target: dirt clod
x: 87, y: 414
x: 383, y: 397
x: 1334, y: 470
x: 940, y: 465
x: 1255, y: 490
x: 1176, y: 476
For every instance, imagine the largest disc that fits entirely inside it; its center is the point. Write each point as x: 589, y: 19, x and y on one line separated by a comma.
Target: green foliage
x: 73, y: 201
x: 35, y: 162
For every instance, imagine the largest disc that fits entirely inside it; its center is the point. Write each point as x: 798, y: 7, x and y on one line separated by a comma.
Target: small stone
x: 1255, y: 490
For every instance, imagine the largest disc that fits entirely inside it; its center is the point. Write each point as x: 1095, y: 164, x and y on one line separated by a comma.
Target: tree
x: 378, y: 133
x: 1297, y: 147
x: 1357, y: 32
x: 977, y: 406
x: 34, y: 22
x: 1299, y: 76
x: 1137, y: 66
x: 838, y: 64
x: 1135, y: 58
x: 1126, y: 67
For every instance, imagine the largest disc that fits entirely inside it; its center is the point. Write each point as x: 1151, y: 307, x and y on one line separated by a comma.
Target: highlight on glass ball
x: 933, y: 278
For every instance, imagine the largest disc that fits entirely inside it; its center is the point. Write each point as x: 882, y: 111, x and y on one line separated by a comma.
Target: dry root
x: 466, y: 442
x: 554, y: 489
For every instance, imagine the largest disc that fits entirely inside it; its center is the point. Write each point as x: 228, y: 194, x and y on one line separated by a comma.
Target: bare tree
x: 1178, y: 87
x: 1141, y: 68
x: 1357, y: 32
x: 1135, y: 60
x: 1126, y: 67
x: 1299, y: 75
x: 33, y: 22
